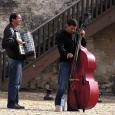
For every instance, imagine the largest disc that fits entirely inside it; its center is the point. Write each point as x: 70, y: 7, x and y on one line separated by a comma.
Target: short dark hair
x: 13, y: 16
x: 72, y: 22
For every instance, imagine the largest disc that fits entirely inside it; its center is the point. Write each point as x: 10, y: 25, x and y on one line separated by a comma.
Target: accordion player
x: 27, y: 49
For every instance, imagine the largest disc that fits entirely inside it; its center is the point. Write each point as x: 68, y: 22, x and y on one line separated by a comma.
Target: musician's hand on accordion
x: 20, y: 41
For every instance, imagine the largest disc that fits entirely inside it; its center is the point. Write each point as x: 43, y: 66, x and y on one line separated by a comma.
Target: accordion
x: 28, y: 48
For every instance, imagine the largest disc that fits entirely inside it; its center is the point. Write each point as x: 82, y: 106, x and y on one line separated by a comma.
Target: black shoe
x: 48, y: 97
x: 16, y: 106
x: 72, y: 109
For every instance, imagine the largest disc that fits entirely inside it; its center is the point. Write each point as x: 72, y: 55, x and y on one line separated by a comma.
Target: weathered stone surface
x: 34, y: 12
x: 35, y: 105
x: 102, y: 46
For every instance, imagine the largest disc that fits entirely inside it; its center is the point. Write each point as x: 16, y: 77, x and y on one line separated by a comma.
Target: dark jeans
x: 15, y: 75
x: 63, y: 79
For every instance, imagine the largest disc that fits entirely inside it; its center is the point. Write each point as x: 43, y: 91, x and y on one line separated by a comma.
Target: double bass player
x: 66, y: 43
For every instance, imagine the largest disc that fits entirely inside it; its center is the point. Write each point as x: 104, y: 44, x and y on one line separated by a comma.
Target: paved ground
x: 35, y: 105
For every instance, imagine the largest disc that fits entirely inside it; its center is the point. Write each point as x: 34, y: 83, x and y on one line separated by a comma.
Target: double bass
x: 83, y: 90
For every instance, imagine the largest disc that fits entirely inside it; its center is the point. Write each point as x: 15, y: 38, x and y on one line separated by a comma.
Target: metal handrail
x: 55, y: 16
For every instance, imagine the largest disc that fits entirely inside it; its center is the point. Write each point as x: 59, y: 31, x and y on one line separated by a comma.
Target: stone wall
x: 102, y: 45
x: 34, y: 12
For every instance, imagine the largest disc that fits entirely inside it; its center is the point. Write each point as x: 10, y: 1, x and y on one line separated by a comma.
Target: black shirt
x: 10, y: 44
x: 83, y: 42
x: 66, y: 44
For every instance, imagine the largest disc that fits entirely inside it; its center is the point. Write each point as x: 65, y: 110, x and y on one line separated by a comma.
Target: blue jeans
x: 63, y: 79
x: 15, y: 75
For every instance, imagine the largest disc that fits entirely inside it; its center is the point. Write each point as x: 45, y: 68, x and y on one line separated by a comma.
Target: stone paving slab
x: 35, y: 105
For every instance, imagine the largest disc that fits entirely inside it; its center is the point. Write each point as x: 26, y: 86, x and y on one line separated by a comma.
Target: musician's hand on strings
x: 69, y: 55
x: 82, y: 33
